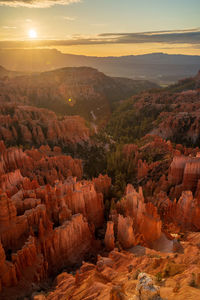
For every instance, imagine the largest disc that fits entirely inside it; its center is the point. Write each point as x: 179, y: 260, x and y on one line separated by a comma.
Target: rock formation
x: 146, y: 290
x: 184, y: 174
x: 185, y: 213
x: 102, y: 184
x: 42, y: 164
x: 146, y: 274
x: 45, y: 214
x: 109, y: 236
x: 7, y: 210
x: 125, y: 234
x: 40, y: 126
x: 144, y: 216
x: 67, y: 244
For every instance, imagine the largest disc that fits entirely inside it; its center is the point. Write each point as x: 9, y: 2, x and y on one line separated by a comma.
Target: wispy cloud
x: 66, y: 18
x: 9, y: 27
x: 99, y: 24
x: 69, y: 18
x: 189, y: 36
x: 36, y: 3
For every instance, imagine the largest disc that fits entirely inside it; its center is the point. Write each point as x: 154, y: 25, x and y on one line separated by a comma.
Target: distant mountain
x: 159, y: 67
x: 84, y: 91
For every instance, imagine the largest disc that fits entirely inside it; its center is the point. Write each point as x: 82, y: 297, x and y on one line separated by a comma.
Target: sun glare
x: 32, y: 34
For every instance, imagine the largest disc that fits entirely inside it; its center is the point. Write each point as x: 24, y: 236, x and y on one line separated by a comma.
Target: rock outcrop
x: 143, y: 274
x: 125, y: 234
x: 184, y: 174
x: 143, y: 216
x: 102, y: 184
x: 39, y: 166
x: 75, y: 196
x: 7, y: 210
x: 109, y: 236
x: 40, y: 126
x: 185, y: 213
x: 67, y: 244
x: 146, y: 290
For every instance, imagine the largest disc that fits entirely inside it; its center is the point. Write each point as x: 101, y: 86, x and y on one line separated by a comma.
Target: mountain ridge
x: 158, y: 67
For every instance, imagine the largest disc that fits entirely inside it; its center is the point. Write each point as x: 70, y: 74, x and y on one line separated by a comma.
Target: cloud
x: 9, y: 27
x: 36, y: 3
x: 69, y: 18
x: 189, y: 36
x: 66, y: 18
x: 99, y: 24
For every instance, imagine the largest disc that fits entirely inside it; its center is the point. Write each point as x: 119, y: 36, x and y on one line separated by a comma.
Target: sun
x: 32, y: 34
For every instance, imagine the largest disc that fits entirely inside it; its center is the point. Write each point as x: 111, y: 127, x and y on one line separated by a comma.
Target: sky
x: 102, y: 27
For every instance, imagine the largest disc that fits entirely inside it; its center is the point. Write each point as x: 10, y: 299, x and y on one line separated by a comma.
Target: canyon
x: 51, y: 221
x: 132, y: 231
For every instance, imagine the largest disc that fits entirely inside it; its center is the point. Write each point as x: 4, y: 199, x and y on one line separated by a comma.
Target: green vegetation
x: 135, y: 276
x: 159, y: 277
x: 194, y: 282
x: 103, y: 157
x: 93, y: 156
x: 182, y: 85
x: 127, y: 124
x: 120, y: 169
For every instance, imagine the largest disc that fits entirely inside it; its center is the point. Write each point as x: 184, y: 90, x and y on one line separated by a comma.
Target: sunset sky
x: 102, y: 27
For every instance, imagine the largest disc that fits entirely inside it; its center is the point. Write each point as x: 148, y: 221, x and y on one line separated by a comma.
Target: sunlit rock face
x: 30, y: 241
x: 47, y: 217
x: 109, y: 236
x: 184, y: 212
x: 142, y: 217
x: 141, y: 275
x: 185, y: 171
x: 125, y: 234
x: 184, y: 176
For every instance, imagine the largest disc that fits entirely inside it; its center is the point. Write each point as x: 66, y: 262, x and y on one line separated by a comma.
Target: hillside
x: 4, y: 73
x: 171, y: 113
x: 83, y: 91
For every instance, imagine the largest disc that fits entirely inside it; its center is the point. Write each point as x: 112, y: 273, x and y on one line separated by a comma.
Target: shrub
x: 159, y: 277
